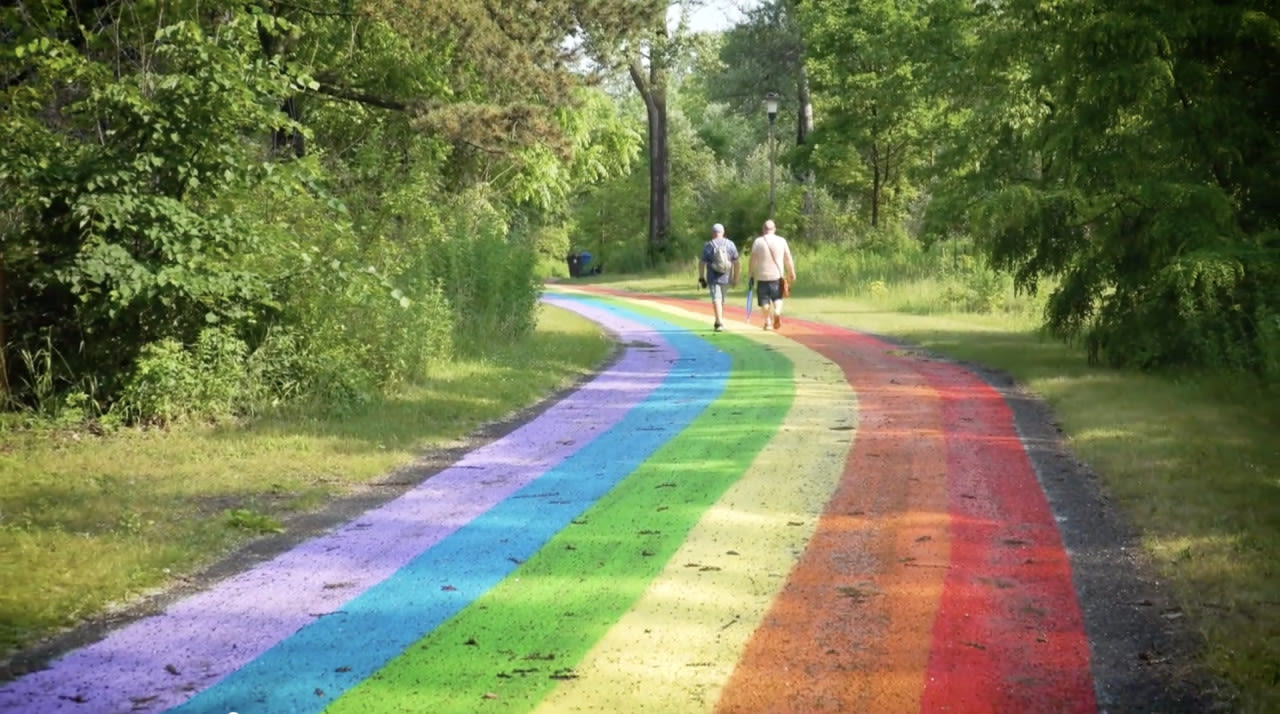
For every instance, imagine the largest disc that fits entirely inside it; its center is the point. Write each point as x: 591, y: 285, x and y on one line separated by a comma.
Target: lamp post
x: 771, y: 107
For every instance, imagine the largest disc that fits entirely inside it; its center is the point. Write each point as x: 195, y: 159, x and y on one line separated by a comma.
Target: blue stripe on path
x: 167, y: 658
x: 310, y: 669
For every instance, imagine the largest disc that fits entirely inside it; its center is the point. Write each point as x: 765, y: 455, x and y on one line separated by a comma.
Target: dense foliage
x: 1139, y: 175
x: 310, y: 201
x: 318, y: 201
x: 1121, y: 152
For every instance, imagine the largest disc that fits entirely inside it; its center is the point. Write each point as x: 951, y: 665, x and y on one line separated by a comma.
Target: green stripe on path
x: 676, y: 647
x: 515, y: 643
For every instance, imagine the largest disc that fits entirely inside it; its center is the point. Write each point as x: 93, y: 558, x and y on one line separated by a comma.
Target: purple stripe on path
x: 164, y: 660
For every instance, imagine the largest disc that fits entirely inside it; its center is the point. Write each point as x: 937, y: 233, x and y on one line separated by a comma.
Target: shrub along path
x: 815, y: 520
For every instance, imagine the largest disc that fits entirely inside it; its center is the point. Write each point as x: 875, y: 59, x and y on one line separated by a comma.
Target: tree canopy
x: 312, y: 185
x: 1119, y: 152
x: 171, y: 168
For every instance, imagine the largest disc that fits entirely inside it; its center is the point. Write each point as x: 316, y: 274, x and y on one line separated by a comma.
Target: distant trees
x: 312, y: 186
x: 868, y: 63
x: 1120, y: 154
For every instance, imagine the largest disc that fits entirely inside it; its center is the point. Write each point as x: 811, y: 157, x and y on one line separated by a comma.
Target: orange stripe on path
x: 936, y: 580
x: 850, y: 631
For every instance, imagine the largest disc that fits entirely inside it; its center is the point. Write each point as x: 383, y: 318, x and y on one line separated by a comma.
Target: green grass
x: 1192, y: 459
x: 87, y: 523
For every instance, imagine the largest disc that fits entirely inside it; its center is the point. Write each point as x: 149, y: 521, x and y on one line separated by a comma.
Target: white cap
x: 717, y: 228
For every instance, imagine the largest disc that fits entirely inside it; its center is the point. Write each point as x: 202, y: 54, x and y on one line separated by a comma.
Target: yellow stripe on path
x: 674, y: 651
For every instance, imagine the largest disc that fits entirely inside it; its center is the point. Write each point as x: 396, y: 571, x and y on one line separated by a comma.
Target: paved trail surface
x: 810, y: 521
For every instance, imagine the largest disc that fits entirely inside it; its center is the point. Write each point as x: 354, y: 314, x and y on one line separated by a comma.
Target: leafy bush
x: 164, y: 385
x: 1267, y: 329
x: 486, y: 274
x: 1192, y: 313
x: 275, y: 372
x: 829, y: 220
x: 220, y: 358
x: 116, y: 178
x: 972, y: 286
x: 170, y: 381
x: 552, y: 245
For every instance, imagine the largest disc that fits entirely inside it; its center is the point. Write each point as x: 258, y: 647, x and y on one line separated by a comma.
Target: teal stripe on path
x: 307, y: 671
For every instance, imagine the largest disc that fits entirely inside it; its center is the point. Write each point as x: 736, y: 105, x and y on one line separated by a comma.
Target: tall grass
x: 905, y: 276
x: 885, y: 272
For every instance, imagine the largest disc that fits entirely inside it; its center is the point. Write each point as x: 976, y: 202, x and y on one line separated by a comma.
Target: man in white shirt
x: 771, y: 263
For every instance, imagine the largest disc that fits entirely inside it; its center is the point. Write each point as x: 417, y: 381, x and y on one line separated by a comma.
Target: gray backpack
x: 721, y: 260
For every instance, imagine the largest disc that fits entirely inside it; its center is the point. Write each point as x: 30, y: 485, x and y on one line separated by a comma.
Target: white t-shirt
x: 770, y: 252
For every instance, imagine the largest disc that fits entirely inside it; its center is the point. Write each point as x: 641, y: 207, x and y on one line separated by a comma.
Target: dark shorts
x: 767, y: 291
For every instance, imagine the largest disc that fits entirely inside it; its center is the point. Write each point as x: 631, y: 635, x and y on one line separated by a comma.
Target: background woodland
x: 217, y: 208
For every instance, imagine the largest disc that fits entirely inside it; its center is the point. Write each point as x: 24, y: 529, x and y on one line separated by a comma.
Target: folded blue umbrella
x: 751, y: 285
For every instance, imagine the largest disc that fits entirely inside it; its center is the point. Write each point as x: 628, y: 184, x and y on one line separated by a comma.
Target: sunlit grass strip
x: 517, y: 641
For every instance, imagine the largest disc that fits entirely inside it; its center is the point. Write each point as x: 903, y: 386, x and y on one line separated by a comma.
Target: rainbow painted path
x: 811, y: 521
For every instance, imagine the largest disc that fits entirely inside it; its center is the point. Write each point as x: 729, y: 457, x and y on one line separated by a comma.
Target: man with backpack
x: 717, y: 270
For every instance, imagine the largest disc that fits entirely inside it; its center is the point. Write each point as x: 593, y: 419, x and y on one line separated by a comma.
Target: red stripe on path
x: 1009, y: 636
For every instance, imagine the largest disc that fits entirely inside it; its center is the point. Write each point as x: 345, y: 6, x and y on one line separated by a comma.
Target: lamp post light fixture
x: 771, y: 108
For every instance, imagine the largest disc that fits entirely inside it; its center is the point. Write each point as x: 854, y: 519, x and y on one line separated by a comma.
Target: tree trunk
x: 288, y: 139
x: 877, y: 185
x: 660, y: 180
x: 804, y: 127
x: 804, y: 118
x: 653, y: 89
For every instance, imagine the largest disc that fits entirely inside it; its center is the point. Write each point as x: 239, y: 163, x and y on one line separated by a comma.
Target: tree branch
x: 484, y: 149
x: 349, y: 95
x: 638, y: 78
x: 314, y: 12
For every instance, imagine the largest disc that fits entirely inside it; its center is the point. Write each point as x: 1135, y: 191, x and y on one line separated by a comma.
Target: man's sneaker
x: 719, y: 327
x: 768, y: 325
x: 777, y: 322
